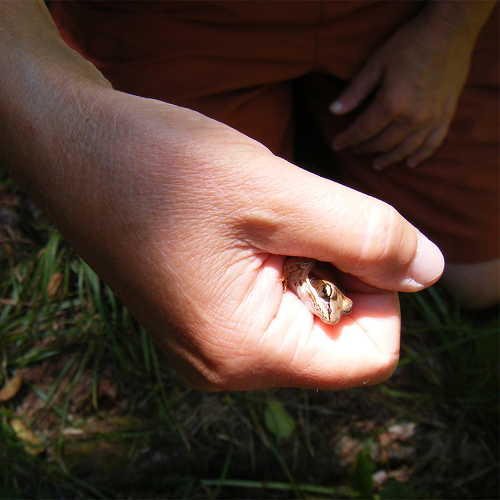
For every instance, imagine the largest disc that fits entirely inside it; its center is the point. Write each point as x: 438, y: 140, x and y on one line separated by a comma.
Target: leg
x: 475, y: 285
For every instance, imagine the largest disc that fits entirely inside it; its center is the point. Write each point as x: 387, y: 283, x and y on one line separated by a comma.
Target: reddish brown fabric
x: 234, y: 61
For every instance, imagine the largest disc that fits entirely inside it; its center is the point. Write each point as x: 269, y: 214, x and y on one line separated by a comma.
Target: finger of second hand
x: 401, y: 152
x: 351, y: 137
x: 364, y: 129
x: 433, y: 142
x: 389, y: 138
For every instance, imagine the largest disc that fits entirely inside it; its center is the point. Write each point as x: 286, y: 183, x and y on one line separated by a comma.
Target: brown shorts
x: 236, y: 61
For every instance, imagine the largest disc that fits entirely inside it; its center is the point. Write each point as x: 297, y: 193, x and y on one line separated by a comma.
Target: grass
x: 113, y: 420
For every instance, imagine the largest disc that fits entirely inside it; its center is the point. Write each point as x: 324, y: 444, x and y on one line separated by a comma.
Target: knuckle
x: 393, y: 106
x: 363, y: 130
x: 419, y: 116
x: 383, y: 236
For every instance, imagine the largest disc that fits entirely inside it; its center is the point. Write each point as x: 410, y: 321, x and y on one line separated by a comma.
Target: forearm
x: 42, y: 87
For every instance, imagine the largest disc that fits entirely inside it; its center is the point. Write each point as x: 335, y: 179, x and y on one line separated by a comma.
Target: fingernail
x: 336, y: 107
x: 428, y: 263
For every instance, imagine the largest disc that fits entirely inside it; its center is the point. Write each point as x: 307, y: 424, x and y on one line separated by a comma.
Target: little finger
x: 389, y: 138
x: 411, y: 144
x: 433, y: 142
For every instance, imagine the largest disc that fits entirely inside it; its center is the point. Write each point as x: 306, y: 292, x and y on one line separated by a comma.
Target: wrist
x: 465, y: 18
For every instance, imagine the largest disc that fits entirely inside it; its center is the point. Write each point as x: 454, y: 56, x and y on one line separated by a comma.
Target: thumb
x: 363, y: 83
x: 358, y: 234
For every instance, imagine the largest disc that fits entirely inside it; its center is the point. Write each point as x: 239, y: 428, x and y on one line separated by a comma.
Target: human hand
x: 416, y: 78
x: 189, y: 221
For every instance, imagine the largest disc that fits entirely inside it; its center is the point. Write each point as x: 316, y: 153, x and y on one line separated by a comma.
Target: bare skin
x: 418, y: 75
x: 188, y: 221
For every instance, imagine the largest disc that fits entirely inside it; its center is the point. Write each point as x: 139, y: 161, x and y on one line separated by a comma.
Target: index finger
x: 366, y: 127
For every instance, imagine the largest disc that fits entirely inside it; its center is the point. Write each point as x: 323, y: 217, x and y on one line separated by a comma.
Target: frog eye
x: 327, y: 291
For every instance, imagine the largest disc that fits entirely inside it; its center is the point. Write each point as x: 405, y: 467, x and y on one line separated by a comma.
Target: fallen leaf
x: 279, y: 421
x: 108, y: 388
x: 11, y: 387
x: 54, y: 284
x: 32, y: 444
x: 403, y: 431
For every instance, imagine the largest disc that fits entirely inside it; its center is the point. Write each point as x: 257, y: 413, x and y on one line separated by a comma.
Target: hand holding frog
x: 190, y: 231
x: 188, y: 221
